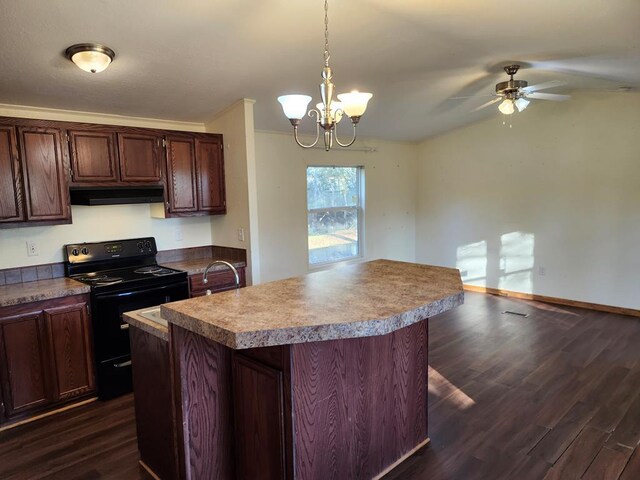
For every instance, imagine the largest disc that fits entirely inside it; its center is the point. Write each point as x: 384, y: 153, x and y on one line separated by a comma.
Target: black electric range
x: 123, y: 276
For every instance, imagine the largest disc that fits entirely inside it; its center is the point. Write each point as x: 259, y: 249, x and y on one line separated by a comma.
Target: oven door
x: 111, y: 332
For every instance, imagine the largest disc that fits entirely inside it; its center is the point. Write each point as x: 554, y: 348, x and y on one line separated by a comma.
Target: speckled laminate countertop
x: 366, y: 299
x: 18, y: 293
x: 194, y: 267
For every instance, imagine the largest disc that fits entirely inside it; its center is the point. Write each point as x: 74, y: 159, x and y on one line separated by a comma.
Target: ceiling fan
x: 516, y: 94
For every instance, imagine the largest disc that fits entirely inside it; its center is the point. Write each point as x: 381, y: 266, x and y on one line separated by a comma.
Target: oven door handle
x: 135, y: 293
x: 123, y: 364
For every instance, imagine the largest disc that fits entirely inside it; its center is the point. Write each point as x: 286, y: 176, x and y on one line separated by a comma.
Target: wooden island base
x: 347, y: 409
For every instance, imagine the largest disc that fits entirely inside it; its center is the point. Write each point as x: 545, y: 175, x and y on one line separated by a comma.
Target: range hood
x: 116, y: 195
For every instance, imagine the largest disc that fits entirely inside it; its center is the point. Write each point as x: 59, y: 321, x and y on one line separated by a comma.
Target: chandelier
x: 328, y: 113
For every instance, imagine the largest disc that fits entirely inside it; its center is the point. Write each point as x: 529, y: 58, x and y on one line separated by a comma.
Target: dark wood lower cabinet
x: 46, y: 359
x: 155, y: 410
x: 313, y: 411
x: 25, y: 383
x: 70, y: 347
x: 258, y: 405
x: 218, y: 281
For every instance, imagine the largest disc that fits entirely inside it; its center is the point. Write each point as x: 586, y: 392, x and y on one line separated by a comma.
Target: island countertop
x: 360, y: 300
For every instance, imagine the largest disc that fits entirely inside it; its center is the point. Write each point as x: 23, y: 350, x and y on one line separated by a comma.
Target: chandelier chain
x: 326, y: 33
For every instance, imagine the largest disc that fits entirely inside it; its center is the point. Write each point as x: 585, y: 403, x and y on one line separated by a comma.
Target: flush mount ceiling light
x: 90, y: 57
x: 328, y: 113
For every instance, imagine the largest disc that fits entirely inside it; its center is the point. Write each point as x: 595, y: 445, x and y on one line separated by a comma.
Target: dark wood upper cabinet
x: 45, y: 177
x: 41, y: 159
x: 93, y: 156
x: 71, y: 351
x: 139, y: 157
x: 181, y: 175
x: 23, y: 366
x: 11, y: 193
x: 210, y: 174
x: 195, y: 176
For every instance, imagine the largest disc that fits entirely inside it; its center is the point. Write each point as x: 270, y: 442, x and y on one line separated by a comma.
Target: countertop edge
x: 45, y: 293
x: 337, y: 331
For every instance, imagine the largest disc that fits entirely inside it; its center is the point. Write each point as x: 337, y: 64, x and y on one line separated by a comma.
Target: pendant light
x: 328, y: 113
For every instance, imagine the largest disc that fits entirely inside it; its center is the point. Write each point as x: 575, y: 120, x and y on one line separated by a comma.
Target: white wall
x: 101, y: 222
x: 236, y: 125
x: 558, y: 193
x: 390, y: 203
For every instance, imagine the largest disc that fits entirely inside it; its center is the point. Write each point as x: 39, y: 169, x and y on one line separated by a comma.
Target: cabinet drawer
x: 218, y: 281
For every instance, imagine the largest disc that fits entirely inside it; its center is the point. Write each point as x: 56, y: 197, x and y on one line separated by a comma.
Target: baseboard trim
x: 148, y: 470
x: 555, y: 300
x: 47, y: 414
x: 402, y: 459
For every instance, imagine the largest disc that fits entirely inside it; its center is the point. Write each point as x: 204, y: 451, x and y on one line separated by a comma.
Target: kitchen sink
x: 154, y: 315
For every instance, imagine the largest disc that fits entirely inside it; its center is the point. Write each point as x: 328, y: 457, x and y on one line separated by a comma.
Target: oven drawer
x: 114, y: 377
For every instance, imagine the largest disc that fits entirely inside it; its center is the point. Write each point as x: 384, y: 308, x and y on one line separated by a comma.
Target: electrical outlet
x: 542, y: 271
x: 241, y: 234
x: 32, y: 249
x: 177, y: 234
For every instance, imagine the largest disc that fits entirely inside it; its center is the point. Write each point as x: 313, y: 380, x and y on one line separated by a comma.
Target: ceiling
x: 186, y: 60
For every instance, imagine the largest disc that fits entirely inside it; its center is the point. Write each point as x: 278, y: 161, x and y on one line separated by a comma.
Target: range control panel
x: 100, y: 251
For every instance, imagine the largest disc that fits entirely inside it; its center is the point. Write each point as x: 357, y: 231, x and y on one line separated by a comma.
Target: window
x: 334, y: 213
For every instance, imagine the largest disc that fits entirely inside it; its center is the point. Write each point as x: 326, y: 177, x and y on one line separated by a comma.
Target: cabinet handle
x: 123, y: 364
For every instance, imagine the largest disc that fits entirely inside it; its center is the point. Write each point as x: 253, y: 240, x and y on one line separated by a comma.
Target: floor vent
x: 509, y: 312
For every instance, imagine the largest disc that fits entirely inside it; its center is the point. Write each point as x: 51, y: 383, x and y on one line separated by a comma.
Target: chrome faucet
x: 217, y: 262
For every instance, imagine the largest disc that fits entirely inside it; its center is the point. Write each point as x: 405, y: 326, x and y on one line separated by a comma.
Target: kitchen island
x: 315, y: 377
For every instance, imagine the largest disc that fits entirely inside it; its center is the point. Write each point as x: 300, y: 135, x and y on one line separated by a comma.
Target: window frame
x: 358, y: 208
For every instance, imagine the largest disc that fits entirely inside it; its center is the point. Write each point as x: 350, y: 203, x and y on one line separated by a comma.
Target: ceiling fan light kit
x: 516, y: 94
x: 328, y: 113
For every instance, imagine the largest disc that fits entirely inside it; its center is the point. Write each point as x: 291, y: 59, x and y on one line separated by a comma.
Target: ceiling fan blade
x: 473, y: 96
x: 543, y: 86
x: 548, y: 96
x: 484, y: 105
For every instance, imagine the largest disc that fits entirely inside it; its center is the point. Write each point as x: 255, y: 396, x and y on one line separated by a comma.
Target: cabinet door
x: 210, y: 175
x: 71, y: 353
x: 259, y: 420
x: 23, y: 366
x: 181, y: 175
x: 10, y: 179
x: 93, y: 156
x: 45, y: 178
x: 139, y: 157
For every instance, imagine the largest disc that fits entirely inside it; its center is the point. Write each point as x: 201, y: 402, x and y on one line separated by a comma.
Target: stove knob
x: 75, y: 252
x: 85, y: 251
x: 139, y: 245
x: 147, y: 244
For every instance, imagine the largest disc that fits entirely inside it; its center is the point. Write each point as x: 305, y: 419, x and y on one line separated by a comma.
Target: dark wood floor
x: 555, y: 395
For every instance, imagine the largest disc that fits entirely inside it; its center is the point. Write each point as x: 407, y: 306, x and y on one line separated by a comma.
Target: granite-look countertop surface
x: 361, y: 300
x: 156, y: 327
x: 194, y: 267
x: 18, y: 293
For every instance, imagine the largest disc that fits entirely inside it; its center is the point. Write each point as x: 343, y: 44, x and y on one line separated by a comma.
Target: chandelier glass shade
x: 328, y: 113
